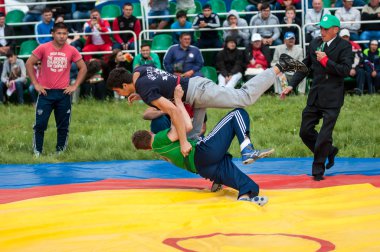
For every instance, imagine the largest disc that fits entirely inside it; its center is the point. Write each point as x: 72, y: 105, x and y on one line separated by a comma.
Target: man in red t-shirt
x: 52, y: 85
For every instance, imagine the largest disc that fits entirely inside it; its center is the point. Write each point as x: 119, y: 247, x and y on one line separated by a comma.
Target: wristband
x: 324, y: 60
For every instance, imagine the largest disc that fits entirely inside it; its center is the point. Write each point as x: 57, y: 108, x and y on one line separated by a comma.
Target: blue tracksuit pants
x: 212, y: 160
x: 61, y: 104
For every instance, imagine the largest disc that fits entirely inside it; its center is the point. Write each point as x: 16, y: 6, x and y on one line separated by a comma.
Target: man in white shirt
x: 348, y: 14
x: 314, y: 16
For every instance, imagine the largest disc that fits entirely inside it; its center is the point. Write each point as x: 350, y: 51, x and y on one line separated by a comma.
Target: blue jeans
x: 354, y: 36
x: 212, y: 160
x: 357, y: 3
x: 80, y: 15
x: 158, y: 13
x: 33, y: 93
x: 30, y: 17
x: 117, y: 45
x: 369, y: 35
x: 19, y: 91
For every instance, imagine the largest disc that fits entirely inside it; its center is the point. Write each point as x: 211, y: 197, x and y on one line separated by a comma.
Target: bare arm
x: 33, y: 79
x: 80, y: 77
x: 152, y: 113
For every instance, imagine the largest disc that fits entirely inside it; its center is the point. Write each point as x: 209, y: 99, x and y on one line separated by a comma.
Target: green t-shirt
x: 163, y: 146
x: 153, y: 59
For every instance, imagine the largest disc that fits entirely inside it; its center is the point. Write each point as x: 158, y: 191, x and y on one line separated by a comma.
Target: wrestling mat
x: 153, y: 206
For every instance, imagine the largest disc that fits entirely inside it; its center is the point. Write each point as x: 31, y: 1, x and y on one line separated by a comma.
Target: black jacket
x: 264, y: 48
x: 327, y: 88
x: 229, y: 62
x: 8, y: 31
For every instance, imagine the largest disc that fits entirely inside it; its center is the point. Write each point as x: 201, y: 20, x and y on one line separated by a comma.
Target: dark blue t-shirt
x: 154, y: 83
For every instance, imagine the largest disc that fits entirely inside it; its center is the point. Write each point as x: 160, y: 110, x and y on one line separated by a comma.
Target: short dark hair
x: 118, y: 77
x: 45, y: 10
x: 2, y: 14
x: 290, y: 7
x: 142, y: 139
x: 207, y: 6
x: 127, y: 4
x: 144, y: 44
x: 184, y: 34
x: 94, y: 10
x: 181, y: 13
x: 59, y: 25
x: 9, y: 54
x: 264, y: 6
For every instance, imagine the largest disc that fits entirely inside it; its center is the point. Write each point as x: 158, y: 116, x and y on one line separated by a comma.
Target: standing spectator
x: 346, y: 14
x: 295, y: 52
x: 81, y: 11
x: 13, y: 77
x: 181, y: 23
x: 357, y: 70
x: 270, y: 35
x: 158, y: 8
x: 184, y: 59
x: 289, y: 19
x: 96, y: 42
x: 330, y: 58
x: 258, y: 56
x: 146, y: 57
x: 372, y: 66
x: 229, y: 63
x: 33, y: 14
x: 208, y: 19
x: 235, y: 22
x: 53, y: 86
x: 6, y: 30
x: 371, y: 12
x: 126, y: 22
x: 314, y: 16
x: 44, y: 26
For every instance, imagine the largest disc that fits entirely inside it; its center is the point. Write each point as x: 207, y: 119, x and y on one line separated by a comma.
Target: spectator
x: 295, y: 52
x: 6, y: 30
x: 120, y: 59
x: 146, y: 57
x: 94, y: 84
x: 229, y: 63
x: 357, y: 70
x: 44, y: 26
x: 258, y: 56
x: 32, y: 91
x: 314, y: 16
x: 356, y: 3
x: 158, y: 8
x: 96, y: 42
x: 74, y: 40
x: 255, y: 5
x: 61, y: 9
x: 346, y: 14
x: 371, y: 12
x: 372, y: 65
x: 289, y: 19
x: 184, y: 59
x: 81, y: 11
x: 181, y: 23
x: 234, y: 21
x: 126, y: 22
x: 270, y: 35
x: 33, y: 14
x: 13, y: 77
x: 208, y: 19
x: 284, y: 4
x: 187, y: 6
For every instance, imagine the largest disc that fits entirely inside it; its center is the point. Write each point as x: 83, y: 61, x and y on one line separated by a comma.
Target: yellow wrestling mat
x: 340, y: 218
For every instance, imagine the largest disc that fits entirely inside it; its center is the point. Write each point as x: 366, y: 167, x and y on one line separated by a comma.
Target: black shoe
x: 358, y: 91
x: 318, y: 177
x: 288, y: 64
x: 331, y: 158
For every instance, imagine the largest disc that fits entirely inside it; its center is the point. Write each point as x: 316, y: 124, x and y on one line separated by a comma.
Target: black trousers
x: 320, y: 143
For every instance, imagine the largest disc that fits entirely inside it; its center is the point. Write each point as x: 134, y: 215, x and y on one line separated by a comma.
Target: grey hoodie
x: 241, y: 35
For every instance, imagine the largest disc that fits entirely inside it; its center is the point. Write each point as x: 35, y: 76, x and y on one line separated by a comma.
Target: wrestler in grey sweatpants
x: 203, y: 93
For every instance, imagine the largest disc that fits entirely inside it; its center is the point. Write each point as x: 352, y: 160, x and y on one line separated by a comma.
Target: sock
x: 280, y: 67
x: 245, y: 143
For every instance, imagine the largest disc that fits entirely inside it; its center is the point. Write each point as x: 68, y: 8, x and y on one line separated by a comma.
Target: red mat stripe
x: 265, y: 182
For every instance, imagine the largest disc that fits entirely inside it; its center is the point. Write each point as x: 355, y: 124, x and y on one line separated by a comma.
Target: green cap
x: 329, y: 21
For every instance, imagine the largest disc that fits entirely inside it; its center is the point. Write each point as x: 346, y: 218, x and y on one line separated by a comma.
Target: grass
x: 102, y: 130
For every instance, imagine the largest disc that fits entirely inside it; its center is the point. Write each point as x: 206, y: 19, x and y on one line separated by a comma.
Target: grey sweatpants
x: 203, y: 93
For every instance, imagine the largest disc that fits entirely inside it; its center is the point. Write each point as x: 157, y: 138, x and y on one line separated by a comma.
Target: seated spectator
x: 207, y: 19
x: 372, y: 66
x: 184, y: 59
x: 120, y: 59
x: 346, y: 14
x: 33, y: 15
x: 295, y: 52
x: 357, y: 70
x: 13, y: 77
x: 371, y: 12
x: 234, y: 21
x: 257, y: 56
x: 158, y: 8
x: 230, y: 64
x: 6, y: 30
x: 126, y: 22
x: 356, y: 3
x: 284, y: 4
x: 44, y: 26
x: 94, y: 84
x: 270, y: 35
x: 96, y: 42
x: 255, y: 5
x: 61, y: 9
x: 72, y: 40
x: 314, y: 16
x: 181, y: 23
x: 290, y: 18
x: 32, y: 91
x: 81, y: 11
x: 146, y: 57
x: 187, y: 6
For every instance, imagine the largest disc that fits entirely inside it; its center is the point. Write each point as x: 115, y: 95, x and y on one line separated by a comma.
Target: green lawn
x: 102, y: 130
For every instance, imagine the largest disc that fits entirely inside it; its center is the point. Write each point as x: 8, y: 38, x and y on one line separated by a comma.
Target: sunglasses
x: 38, y: 64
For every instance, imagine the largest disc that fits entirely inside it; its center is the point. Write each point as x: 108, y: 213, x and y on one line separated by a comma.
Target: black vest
x: 126, y: 24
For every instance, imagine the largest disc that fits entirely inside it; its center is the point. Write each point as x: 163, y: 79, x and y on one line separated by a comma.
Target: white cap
x: 344, y: 32
x: 256, y: 37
